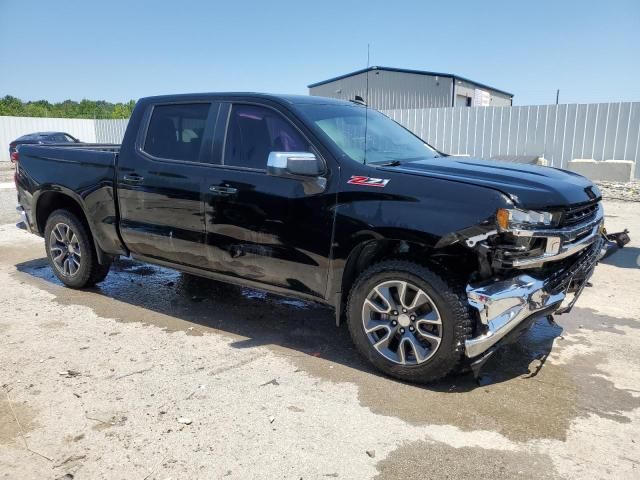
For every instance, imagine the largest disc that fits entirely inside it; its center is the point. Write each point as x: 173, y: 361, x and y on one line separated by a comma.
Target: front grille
x: 582, y: 264
x: 575, y: 215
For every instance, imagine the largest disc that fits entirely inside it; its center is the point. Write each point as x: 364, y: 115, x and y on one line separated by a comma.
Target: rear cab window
x: 176, y: 131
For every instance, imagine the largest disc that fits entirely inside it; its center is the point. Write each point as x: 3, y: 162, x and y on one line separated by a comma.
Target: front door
x: 271, y: 230
x: 160, y: 184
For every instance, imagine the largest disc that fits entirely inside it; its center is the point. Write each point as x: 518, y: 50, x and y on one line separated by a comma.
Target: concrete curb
x: 607, y: 170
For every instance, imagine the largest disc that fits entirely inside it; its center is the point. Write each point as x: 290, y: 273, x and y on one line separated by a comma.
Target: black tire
x: 448, y: 296
x: 99, y: 273
x: 89, y: 271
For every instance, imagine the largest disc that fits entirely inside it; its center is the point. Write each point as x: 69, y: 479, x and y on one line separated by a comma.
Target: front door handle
x: 222, y: 191
x: 133, y: 179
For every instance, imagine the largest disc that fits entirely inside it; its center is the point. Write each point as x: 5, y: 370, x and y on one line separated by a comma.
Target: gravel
x: 625, y: 191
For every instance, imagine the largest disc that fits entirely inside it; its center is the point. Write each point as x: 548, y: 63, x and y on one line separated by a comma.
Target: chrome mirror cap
x: 293, y: 163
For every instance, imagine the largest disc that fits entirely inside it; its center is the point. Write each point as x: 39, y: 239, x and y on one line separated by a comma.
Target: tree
x: 120, y: 111
x: 11, y: 106
x: 14, y: 107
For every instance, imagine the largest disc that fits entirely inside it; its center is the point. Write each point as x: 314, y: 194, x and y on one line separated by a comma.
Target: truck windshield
x: 386, y: 141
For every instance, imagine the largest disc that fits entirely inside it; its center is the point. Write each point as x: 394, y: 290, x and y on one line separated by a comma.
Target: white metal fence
x: 600, y: 131
x: 14, y: 127
x: 110, y: 131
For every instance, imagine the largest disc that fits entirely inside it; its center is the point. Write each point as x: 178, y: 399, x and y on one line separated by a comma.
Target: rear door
x: 160, y: 183
x: 263, y: 228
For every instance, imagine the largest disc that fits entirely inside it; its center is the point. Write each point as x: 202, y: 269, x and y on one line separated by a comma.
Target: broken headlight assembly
x: 514, y: 218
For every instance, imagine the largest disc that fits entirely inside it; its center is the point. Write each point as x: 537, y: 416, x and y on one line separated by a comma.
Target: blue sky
x: 117, y: 50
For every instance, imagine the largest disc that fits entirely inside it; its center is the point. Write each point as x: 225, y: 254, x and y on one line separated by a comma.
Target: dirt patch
x: 9, y: 428
x: 514, y: 396
x: 116, y: 420
x: 596, y: 394
x: 582, y: 320
x: 53, y: 325
x: 518, y: 395
x: 409, y: 461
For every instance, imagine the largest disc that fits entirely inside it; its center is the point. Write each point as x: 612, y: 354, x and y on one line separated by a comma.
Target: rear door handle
x: 222, y: 191
x: 133, y: 178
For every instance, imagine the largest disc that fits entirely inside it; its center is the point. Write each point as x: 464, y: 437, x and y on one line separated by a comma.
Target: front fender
x: 440, y: 214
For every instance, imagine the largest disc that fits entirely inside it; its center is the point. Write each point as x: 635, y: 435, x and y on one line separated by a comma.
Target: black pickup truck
x: 433, y: 260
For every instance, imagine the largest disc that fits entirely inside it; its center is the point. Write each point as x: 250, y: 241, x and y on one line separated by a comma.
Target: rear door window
x: 175, y: 131
x: 254, y: 131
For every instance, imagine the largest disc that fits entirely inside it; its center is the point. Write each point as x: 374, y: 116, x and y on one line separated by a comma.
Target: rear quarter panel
x: 86, y: 176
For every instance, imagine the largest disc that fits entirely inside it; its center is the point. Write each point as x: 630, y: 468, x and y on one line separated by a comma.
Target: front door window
x: 254, y: 131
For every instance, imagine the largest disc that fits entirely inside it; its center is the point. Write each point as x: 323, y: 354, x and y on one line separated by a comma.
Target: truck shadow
x: 254, y: 318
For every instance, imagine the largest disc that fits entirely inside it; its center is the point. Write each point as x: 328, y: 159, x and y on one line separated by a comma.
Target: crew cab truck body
x: 433, y: 260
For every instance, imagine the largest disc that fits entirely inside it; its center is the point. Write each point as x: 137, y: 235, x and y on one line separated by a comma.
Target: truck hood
x: 529, y: 186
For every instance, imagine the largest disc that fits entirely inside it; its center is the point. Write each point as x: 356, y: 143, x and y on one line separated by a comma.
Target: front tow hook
x: 614, y: 241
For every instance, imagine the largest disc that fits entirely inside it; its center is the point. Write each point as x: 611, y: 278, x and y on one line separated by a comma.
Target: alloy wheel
x: 64, y: 249
x: 402, y: 322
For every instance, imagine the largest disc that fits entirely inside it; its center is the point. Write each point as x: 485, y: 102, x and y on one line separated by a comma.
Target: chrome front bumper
x: 504, y: 305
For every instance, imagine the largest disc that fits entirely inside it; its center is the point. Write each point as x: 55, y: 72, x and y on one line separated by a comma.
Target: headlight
x: 513, y: 217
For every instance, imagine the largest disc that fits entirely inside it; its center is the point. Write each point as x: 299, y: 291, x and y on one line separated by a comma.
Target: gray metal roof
x: 404, y: 70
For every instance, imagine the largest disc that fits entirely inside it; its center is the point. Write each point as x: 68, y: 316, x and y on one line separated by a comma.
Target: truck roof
x: 287, y: 99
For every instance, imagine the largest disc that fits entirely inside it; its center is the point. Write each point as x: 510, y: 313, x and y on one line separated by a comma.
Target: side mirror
x: 294, y: 163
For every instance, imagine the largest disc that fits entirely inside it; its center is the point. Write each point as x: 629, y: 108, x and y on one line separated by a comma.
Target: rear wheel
x: 408, y: 321
x: 71, y: 252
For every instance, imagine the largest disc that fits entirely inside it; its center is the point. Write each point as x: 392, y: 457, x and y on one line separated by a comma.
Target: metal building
x: 393, y: 88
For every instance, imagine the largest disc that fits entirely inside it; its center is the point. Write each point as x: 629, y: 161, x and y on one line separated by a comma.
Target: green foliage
x: 14, y: 107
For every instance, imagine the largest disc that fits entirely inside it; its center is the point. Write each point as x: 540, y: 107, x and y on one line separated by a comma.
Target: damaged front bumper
x: 505, y: 304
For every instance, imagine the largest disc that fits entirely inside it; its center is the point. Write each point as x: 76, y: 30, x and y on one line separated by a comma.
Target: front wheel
x: 70, y: 251
x: 408, y: 321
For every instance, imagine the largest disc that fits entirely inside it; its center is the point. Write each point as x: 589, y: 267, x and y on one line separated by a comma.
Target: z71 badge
x: 368, y: 181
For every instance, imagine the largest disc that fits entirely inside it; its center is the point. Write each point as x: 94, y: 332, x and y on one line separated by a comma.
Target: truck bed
x: 57, y: 162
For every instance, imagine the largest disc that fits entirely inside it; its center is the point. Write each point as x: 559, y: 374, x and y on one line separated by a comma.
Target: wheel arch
x: 48, y: 201
x: 373, y: 248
